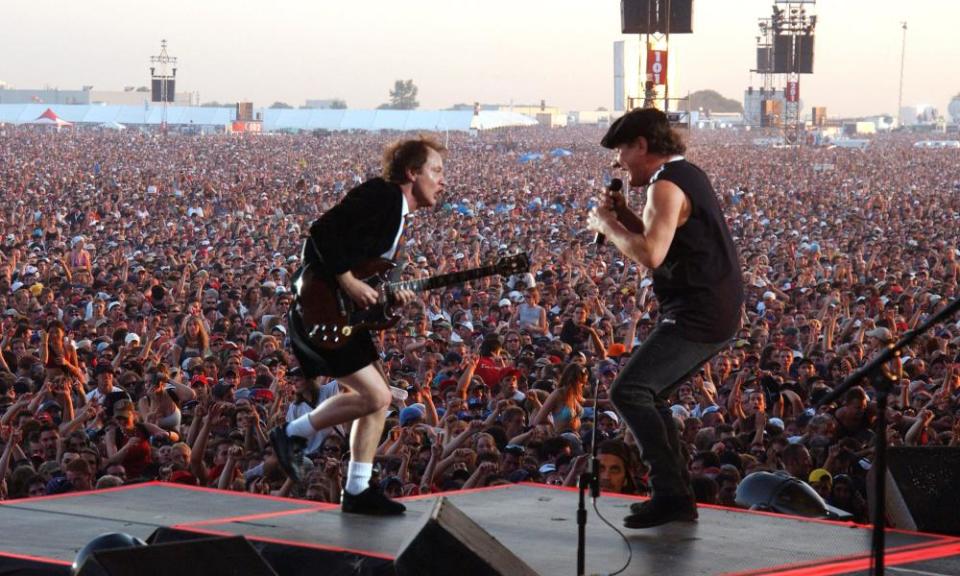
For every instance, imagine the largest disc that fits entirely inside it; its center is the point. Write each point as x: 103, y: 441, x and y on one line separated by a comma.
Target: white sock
x: 358, y: 476
x: 301, y: 427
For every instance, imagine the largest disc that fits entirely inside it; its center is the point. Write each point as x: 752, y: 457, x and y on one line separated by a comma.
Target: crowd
x: 144, y: 289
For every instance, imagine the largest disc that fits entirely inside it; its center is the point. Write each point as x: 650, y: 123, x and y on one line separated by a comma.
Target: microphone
x: 615, y: 185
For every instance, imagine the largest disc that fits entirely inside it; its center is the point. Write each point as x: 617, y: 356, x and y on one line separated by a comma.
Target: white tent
x: 50, y: 118
x: 113, y: 126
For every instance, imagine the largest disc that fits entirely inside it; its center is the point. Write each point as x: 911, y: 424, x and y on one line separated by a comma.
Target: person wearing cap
x: 822, y: 482
x: 308, y: 394
x: 608, y: 422
x: 105, y: 373
x: 368, y: 223
x: 682, y: 236
x: 128, y: 439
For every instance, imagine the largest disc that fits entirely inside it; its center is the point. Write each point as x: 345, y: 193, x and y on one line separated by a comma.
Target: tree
x: 712, y: 101
x: 338, y: 104
x: 282, y: 105
x: 402, y: 97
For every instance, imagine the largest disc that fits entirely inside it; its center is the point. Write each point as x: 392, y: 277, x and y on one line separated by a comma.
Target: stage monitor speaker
x: 783, y: 54
x: 922, y: 489
x: 232, y: 556
x: 681, y: 16
x: 449, y: 542
x: 804, y: 54
x: 650, y: 16
x: 637, y: 16
x: 765, y: 59
x: 245, y: 111
x: 158, y: 85
x: 793, y: 54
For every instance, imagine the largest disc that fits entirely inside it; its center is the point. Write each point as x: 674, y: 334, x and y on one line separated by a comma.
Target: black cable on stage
x: 622, y: 535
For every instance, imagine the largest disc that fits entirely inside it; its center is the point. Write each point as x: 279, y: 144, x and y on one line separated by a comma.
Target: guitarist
x: 366, y: 224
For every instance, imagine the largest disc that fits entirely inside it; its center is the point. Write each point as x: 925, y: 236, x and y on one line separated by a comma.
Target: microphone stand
x: 883, y: 381
x: 589, y: 478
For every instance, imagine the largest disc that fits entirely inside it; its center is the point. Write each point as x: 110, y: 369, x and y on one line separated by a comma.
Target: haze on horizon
x: 461, y: 51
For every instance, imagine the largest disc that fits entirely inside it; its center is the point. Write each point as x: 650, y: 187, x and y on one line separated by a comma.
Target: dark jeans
x: 640, y: 392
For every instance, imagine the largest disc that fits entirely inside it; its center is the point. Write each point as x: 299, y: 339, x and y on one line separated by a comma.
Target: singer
x: 683, y: 238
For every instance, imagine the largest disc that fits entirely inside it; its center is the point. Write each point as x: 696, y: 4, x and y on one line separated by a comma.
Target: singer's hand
x: 601, y: 217
x: 614, y: 200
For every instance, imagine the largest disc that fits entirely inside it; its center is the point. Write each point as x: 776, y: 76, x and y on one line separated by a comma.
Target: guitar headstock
x: 516, y: 264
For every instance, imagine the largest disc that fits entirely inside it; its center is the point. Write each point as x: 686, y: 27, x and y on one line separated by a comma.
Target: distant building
x: 908, y: 116
x: 130, y: 97
x: 44, y: 96
x: 626, y: 73
x: 86, y: 95
x: 592, y: 117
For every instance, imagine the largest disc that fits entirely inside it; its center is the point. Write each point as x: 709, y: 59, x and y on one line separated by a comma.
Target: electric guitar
x: 329, y: 316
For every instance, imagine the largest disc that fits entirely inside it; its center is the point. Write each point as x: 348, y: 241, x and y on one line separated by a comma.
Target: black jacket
x: 361, y: 226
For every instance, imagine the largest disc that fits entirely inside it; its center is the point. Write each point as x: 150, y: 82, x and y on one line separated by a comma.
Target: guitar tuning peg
x: 336, y: 338
x: 325, y: 337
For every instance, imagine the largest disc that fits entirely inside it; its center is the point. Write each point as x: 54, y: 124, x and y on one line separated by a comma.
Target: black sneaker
x: 289, y: 451
x: 371, y: 502
x: 657, y: 511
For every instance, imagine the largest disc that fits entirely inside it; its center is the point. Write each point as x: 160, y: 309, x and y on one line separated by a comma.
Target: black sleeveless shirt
x: 699, y: 286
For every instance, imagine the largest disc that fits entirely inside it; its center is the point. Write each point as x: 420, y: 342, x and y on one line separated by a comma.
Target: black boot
x: 660, y: 510
x: 660, y: 445
x: 371, y: 502
x: 289, y: 451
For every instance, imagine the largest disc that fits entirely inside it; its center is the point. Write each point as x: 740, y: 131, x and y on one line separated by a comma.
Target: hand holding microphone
x: 615, y: 185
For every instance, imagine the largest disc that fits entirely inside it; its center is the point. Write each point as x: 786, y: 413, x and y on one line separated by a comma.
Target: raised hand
x: 462, y: 454
x: 486, y: 469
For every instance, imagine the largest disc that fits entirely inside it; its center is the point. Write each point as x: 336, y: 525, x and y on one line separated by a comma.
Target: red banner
x: 792, y: 92
x: 657, y: 66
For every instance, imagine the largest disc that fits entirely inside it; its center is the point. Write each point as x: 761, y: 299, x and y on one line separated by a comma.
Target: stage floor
x: 537, y: 523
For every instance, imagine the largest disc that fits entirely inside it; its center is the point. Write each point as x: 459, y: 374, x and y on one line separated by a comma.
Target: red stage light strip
x: 43, y: 559
x: 917, y: 553
x: 127, y: 487
x: 14, y: 503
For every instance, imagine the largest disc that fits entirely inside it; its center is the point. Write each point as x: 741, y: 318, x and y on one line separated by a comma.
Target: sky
x: 461, y: 51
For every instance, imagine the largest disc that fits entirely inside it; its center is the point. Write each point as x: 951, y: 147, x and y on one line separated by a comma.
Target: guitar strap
x: 399, y: 256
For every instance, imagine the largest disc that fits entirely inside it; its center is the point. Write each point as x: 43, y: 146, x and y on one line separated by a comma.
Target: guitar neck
x: 424, y: 284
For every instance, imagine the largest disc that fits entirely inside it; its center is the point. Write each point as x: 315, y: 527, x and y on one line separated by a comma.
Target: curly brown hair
x: 405, y: 155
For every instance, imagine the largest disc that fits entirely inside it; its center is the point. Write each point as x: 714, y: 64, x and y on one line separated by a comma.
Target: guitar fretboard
x: 423, y: 284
